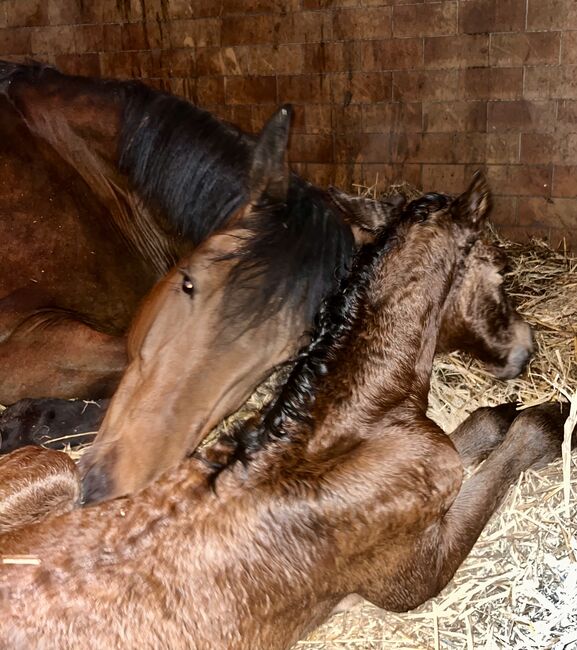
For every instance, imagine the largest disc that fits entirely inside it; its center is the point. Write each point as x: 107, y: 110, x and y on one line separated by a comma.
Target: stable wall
x: 401, y: 90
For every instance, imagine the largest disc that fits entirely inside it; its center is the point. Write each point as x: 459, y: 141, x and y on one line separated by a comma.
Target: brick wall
x: 395, y: 90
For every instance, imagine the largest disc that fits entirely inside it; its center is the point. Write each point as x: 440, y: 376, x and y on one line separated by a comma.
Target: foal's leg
x: 533, y: 440
x: 483, y: 431
x: 59, y: 357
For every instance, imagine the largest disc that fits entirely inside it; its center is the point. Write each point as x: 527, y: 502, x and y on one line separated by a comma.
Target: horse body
x: 105, y: 186
x: 343, y: 487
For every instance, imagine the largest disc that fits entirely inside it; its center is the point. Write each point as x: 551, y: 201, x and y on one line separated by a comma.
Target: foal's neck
x: 386, y: 360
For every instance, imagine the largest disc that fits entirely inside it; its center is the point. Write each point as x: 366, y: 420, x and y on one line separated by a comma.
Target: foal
x: 346, y: 487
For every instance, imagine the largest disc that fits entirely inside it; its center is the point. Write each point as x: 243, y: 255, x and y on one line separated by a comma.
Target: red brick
x: 124, y: 65
x: 543, y: 148
x: 195, y: 33
x: 210, y: 90
x: 316, y: 118
x: 392, y: 117
x: 26, y: 13
x: 540, y: 82
x: 462, y: 51
x: 362, y: 147
x: 64, y: 12
x: 521, y: 116
x: 347, y: 119
x: 569, y: 48
x: 486, y: 148
x: 427, y: 148
x: 275, y: 59
x: 16, y: 40
x: 196, y: 9
x: 305, y: 27
x: 110, y: 38
x: 486, y: 16
x: 250, y: 90
x: 306, y: 147
x: 455, y: 116
x: 425, y: 85
x: 178, y: 63
x: 503, y: 148
x: 306, y: 88
x: 538, y: 48
x: 449, y: 179
x: 361, y: 87
x: 436, y: 19
x: 491, y: 83
x: 255, y: 6
x: 520, y: 180
x: 565, y: 181
x: 332, y: 57
x: 222, y: 61
x: 362, y: 23
x: 52, y: 40
x: 504, y: 210
x: 87, y: 65
x: 551, y: 14
x: 88, y: 38
x: 567, y: 115
x: 329, y: 4
x: 553, y: 213
x: 392, y: 54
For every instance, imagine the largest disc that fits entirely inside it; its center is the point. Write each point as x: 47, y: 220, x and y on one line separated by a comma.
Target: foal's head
x: 218, y: 323
x: 478, y: 318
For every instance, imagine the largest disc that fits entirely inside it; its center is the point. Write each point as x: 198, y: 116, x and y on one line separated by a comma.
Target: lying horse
x: 345, y: 487
x: 186, y: 372
x: 105, y: 185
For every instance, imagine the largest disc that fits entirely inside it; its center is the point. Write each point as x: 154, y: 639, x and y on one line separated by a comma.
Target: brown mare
x: 345, y: 486
x: 159, y: 412
x: 105, y: 185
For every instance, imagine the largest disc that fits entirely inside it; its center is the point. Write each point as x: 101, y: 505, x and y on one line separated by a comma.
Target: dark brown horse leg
x: 533, y: 440
x: 483, y: 431
x: 66, y: 355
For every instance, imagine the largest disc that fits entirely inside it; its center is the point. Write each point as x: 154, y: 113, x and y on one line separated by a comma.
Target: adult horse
x: 160, y: 412
x: 344, y: 487
x: 105, y: 185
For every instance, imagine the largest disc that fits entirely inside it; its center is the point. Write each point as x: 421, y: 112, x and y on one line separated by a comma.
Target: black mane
x: 336, y: 318
x: 187, y: 165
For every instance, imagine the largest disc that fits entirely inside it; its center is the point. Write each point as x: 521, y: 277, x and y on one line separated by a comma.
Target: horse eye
x: 187, y: 285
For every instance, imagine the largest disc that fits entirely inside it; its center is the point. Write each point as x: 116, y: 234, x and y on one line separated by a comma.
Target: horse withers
x: 344, y: 486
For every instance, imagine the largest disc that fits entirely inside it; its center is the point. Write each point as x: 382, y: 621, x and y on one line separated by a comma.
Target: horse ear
x: 474, y: 204
x: 365, y: 213
x: 269, y: 173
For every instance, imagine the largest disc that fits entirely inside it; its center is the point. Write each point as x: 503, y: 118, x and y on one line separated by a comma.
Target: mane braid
x: 335, y: 320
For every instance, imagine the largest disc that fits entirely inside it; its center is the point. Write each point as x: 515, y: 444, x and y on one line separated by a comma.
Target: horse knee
x: 536, y: 435
x: 483, y: 431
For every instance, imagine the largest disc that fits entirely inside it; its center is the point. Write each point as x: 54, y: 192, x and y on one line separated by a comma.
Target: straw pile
x: 518, y: 587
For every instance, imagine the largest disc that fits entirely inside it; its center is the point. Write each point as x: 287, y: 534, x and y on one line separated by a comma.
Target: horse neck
x: 386, y: 359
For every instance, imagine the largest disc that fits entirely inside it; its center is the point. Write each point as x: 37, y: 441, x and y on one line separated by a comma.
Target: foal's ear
x: 474, y: 204
x: 269, y: 173
x: 365, y: 213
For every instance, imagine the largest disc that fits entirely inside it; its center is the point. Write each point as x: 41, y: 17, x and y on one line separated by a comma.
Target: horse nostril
x: 96, y: 485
